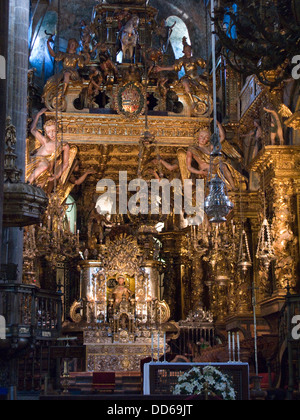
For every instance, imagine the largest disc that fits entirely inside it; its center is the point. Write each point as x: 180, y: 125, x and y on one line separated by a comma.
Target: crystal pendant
x: 217, y: 205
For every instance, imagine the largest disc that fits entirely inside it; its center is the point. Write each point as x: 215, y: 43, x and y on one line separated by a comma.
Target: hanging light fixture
x: 265, y: 251
x: 244, y: 259
x: 217, y: 204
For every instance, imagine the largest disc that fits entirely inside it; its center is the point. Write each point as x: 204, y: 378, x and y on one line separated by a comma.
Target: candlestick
x: 158, y: 349
x: 152, y: 346
x: 233, y: 347
x: 229, y: 345
x: 238, y: 346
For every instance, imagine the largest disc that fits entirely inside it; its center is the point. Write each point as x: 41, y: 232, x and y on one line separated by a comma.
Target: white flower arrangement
x: 206, y: 381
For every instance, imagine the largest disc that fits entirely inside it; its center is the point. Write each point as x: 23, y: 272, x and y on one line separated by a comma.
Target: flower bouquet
x: 208, y: 381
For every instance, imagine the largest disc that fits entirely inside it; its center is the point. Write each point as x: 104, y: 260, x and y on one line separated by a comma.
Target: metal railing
x: 30, y: 312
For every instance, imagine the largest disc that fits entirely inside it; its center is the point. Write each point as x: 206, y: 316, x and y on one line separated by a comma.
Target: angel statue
x: 195, y: 86
x: 201, y: 154
x: 44, y: 165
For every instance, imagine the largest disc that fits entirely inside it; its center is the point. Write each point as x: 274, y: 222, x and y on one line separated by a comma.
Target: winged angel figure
x: 53, y: 161
x: 201, y: 154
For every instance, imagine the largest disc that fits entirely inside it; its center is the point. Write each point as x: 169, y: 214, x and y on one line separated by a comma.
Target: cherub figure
x: 106, y: 64
x: 41, y: 167
x: 95, y: 87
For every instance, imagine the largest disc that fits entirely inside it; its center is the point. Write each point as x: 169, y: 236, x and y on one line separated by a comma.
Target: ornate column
x: 280, y: 166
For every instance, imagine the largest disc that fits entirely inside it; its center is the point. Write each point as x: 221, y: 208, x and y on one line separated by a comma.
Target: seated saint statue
x: 121, y: 292
x: 191, y: 81
x: 71, y: 61
x: 201, y: 154
x: 41, y: 167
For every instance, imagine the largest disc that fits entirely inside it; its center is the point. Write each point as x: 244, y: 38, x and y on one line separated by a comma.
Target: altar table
x: 161, y: 378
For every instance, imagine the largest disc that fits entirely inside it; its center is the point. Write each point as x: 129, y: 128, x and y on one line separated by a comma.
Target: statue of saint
x: 41, y: 167
x: 276, y: 126
x: 201, y: 154
x: 71, y: 61
x: 191, y: 81
x: 121, y: 291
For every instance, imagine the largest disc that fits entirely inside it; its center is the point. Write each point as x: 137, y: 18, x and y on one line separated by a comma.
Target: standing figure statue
x: 194, y: 85
x: 42, y: 166
x: 121, y: 291
x: 276, y: 126
x: 130, y: 37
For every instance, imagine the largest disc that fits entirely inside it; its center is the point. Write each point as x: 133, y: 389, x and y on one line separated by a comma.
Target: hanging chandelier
x: 265, y: 251
x: 259, y: 37
x: 217, y: 205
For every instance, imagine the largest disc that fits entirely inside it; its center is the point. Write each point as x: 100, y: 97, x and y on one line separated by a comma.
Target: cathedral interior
x: 101, y: 272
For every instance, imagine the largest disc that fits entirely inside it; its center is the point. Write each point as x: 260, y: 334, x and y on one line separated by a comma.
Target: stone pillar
x: 17, y: 81
x: 3, y: 61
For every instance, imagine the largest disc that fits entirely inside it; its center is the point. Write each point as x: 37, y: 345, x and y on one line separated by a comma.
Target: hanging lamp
x: 265, y: 251
x: 217, y: 205
x: 244, y: 259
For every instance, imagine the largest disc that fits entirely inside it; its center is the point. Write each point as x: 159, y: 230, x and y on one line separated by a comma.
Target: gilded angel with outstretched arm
x: 42, y: 166
x: 201, y: 154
